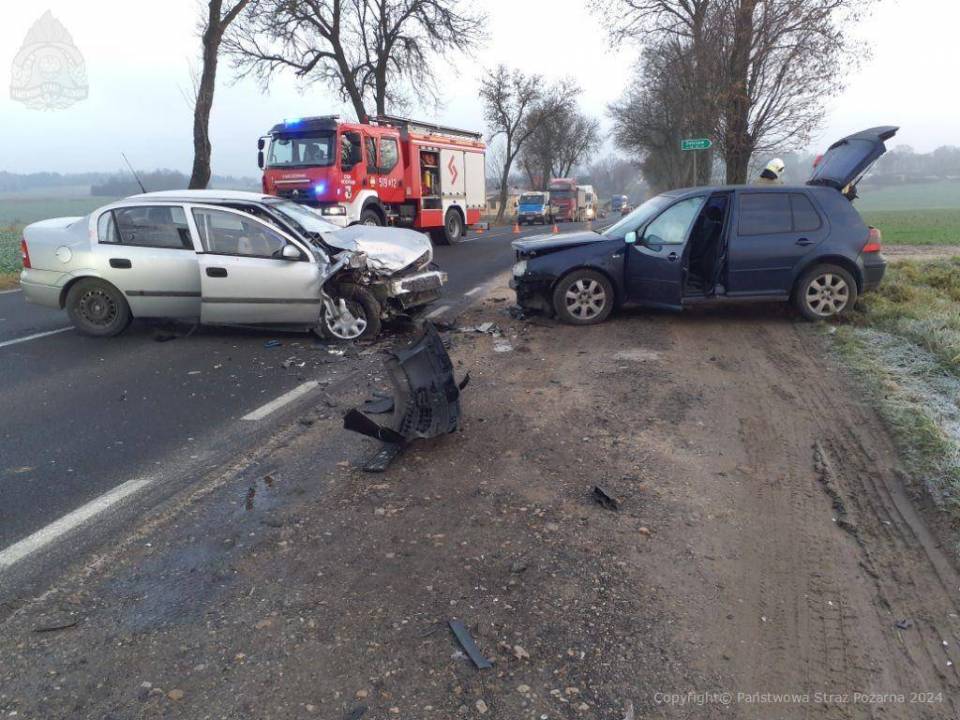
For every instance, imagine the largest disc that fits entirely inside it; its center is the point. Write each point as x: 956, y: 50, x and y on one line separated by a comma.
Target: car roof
x: 200, y: 196
x: 680, y: 192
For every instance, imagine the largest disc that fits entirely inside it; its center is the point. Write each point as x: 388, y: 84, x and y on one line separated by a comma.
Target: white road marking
x: 271, y: 407
x: 477, y: 289
x: 10, y: 292
x: 36, y: 336
x: 439, y: 311
x: 43, y: 537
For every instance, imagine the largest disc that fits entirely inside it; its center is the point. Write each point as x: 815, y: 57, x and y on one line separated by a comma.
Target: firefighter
x: 772, y: 174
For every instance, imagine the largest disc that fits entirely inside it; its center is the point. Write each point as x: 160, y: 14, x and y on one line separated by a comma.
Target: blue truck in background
x: 534, y: 207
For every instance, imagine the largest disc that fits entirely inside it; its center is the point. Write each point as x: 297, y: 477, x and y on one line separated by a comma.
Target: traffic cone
x: 555, y: 228
x: 516, y: 228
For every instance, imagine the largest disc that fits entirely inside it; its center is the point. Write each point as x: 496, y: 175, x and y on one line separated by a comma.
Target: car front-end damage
x: 386, y: 271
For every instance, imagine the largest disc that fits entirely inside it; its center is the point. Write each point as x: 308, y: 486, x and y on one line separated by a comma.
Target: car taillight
x: 24, y: 254
x: 873, y: 241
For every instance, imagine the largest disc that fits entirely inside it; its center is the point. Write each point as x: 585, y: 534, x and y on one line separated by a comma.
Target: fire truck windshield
x: 301, y: 151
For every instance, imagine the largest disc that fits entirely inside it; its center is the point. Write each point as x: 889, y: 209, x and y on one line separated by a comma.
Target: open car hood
x: 388, y: 250
x: 542, y: 244
x: 847, y: 160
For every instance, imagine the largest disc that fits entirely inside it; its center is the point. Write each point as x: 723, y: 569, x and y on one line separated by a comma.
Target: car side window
x: 389, y: 154
x: 107, y: 228
x: 226, y: 233
x: 765, y: 213
x: 157, y: 226
x: 672, y: 226
x: 805, y: 216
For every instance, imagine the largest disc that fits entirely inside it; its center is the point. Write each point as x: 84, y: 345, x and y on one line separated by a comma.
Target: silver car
x: 228, y: 258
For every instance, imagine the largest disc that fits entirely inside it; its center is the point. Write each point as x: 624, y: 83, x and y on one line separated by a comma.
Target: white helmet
x: 776, y: 166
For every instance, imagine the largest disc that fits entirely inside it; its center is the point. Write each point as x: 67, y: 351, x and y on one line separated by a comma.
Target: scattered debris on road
x: 426, y: 400
x: 604, y: 498
x: 469, y: 645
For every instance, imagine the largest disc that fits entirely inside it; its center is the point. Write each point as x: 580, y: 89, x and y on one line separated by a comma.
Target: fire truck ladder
x: 417, y: 126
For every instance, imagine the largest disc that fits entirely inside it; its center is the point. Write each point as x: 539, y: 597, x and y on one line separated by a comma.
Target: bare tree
x: 366, y: 50
x: 510, y: 98
x: 213, y: 27
x: 561, y: 139
x: 781, y: 60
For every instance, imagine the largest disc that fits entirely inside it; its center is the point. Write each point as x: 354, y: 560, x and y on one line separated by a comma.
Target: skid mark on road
x: 285, y: 399
x: 35, y: 336
x: 43, y: 537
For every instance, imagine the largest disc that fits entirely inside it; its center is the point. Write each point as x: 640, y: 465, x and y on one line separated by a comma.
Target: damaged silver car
x: 227, y: 258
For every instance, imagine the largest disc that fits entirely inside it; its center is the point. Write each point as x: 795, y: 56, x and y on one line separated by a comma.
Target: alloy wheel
x: 585, y: 299
x: 349, y: 324
x: 827, y: 295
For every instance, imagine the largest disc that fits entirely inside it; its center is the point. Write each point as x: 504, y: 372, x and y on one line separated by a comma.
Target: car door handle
x: 804, y: 241
x: 120, y: 263
x: 216, y: 272
x: 672, y: 257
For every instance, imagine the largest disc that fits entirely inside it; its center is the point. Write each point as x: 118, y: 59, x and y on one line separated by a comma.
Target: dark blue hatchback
x: 806, y: 244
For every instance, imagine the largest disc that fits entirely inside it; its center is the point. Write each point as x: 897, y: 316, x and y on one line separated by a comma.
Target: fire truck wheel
x: 453, y: 230
x: 370, y: 217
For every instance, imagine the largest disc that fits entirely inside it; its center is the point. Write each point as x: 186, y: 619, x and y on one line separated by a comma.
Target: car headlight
x: 334, y: 210
x: 358, y: 260
x: 520, y: 268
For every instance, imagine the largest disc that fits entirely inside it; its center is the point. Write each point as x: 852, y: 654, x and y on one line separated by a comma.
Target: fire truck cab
x: 389, y: 171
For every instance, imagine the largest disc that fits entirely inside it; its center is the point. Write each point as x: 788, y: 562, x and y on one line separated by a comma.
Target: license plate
x: 421, y: 283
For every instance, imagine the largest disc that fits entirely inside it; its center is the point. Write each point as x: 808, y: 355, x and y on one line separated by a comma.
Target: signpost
x: 696, y: 144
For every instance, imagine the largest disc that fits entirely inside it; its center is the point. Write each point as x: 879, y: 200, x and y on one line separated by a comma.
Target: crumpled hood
x: 388, y: 249
x: 541, y: 244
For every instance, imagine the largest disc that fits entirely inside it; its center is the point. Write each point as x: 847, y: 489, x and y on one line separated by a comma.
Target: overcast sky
x: 138, y: 55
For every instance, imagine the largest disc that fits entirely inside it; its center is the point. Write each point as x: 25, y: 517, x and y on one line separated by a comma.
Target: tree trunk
x: 504, y: 184
x: 202, y: 149
x: 738, y: 145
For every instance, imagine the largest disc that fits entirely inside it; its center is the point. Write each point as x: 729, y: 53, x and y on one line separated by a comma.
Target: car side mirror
x: 260, y: 159
x: 630, y: 238
x: 261, y: 144
x: 291, y: 252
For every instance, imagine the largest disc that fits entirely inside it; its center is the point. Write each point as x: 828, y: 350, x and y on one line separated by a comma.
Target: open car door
x: 849, y: 159
x: 251, y: 273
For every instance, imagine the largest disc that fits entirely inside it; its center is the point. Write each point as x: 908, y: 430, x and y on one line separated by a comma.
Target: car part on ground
x: 426, y: 400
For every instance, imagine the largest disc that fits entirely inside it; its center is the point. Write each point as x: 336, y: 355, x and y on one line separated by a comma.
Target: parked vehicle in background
x: 389, y: 171
x: 805, y: 244
x: 534, y: 207
x: 563, y: 199
x: 586, y: 202
x: 227, y: 258
x: 617, y: 203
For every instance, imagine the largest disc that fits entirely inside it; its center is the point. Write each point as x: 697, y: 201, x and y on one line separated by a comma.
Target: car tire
x: 365, y: 309
x: 583, y: 297
x: 453, y: 230
x: 370, y: 216
x: 97, y: 308
x: 825, y: 291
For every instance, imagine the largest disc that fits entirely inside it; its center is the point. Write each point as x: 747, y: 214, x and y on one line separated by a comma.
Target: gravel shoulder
x: 766, y: 544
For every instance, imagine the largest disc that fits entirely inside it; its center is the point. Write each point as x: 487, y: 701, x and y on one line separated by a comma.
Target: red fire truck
x: 389, y: 171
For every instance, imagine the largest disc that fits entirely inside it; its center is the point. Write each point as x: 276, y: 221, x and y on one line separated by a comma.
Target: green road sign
x: 696, y: 144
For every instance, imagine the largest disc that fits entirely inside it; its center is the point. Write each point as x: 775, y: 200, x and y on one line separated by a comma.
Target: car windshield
x: 307, y: 220
x: 638, y: 217
x: 302, y: 151
x: 531, y: 199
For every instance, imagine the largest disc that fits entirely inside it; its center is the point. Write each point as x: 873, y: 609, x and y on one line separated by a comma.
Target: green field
x: 921, y: 196
x: 17, y: 211
x: 916, y: 227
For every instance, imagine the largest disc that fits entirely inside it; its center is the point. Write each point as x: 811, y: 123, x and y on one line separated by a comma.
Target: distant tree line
x: 115, y: 184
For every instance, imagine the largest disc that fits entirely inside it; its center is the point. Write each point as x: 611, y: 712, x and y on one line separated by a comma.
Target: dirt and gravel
x: 767, y: 560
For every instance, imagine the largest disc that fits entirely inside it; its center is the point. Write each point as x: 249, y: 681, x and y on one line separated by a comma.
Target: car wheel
x: 453, y: 230
x: 370, y: 217
x: 359, y: 318
x: 825, y: 291
x: 97, y: 308
x: 583, y: 297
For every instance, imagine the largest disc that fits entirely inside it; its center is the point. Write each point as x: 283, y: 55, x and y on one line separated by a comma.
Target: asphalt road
x: 83, y: 416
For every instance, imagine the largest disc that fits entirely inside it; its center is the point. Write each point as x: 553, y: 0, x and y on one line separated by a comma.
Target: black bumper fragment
x: 426, y: 401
